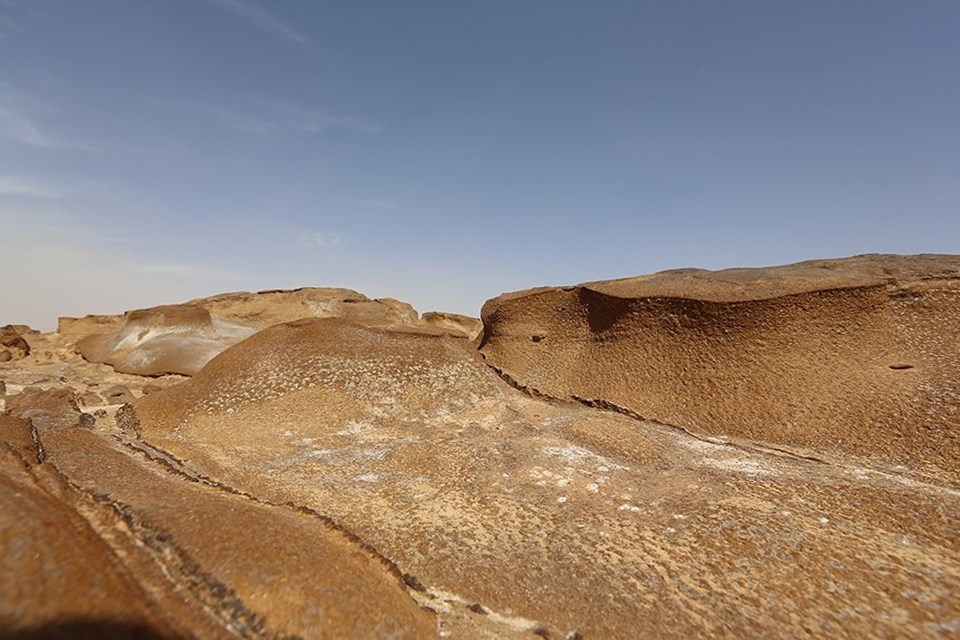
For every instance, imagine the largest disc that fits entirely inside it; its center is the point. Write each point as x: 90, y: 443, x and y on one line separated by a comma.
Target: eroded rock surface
x: 176, y: 339
x: 341, y: 478
x: 854, y: 357
x: 558, y: 517
x: 181, y: 339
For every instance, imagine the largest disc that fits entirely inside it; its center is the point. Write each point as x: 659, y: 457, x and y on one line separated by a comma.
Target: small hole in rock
x: 901, y: 367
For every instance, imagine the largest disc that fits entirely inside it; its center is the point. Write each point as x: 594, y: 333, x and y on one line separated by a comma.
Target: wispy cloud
x: 313, y: 121
x: 280, y: 119
x: 232, y: 120
x: 256, y: 16
x: 14, y: 186
x: 20, y: 121
x: 21, y: 128
x: 317, y: 239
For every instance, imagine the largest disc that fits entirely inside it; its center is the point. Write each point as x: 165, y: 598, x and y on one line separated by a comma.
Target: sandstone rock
x: 453, y: 322
x: 382, y: 478
x: 76, y: 328
x: 5, y: 355
x: 169, y: 339
x: 49, y: 410
x: 181, y: 339
x: 267, y: 308
x: 151, y: 388
x: 807, y: 356
x: 12, y: 342
x: 118, y: 394
x: 91, y: 399
x: 491, y: 499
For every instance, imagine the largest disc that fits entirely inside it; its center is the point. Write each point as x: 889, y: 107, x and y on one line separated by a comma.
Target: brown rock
x: 91, y: 399
x: 118, y: 394
x: 48, y: 410
x: 454, y: 323
x: 170, y: 339
x: 521, y: 506
x: 124, y: 551
x: 151, y: 388
x: 12, y: 342
x: 5, y: 355
x: 808, y: 355
x: 267, y: 308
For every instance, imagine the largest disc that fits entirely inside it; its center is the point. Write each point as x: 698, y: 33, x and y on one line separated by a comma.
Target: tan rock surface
x: 454, y: 323
x: 378, y: 477
x: 844, y: 357
x: 559, y: 518
x: 177, y: 339
x: 181, y: 339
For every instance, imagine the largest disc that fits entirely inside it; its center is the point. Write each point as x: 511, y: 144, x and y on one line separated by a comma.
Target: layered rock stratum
x: 740, y: 453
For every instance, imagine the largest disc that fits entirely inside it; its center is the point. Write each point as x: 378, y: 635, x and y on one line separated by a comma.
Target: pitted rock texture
x: 555, y: 518
x: 325, y: 478
x: 13, y: 344
x: 858, y: 356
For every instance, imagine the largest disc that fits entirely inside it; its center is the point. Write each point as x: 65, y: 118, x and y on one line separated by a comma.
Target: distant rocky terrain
x: 740, y: 453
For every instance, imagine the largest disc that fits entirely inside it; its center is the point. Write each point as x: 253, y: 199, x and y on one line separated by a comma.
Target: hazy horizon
x: 441, y: 154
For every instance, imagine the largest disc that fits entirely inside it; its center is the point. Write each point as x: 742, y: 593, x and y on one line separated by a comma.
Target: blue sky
x: 444, y: 152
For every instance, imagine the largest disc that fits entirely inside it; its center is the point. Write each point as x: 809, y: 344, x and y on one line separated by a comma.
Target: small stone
x: 118, y: 394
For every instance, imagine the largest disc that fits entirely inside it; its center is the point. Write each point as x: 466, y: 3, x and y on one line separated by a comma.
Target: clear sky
x: 443, y: 152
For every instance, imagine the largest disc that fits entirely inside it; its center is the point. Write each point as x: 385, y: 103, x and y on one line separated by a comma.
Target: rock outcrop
x: 181, y: 339
x: 376, y: 474
x: 169, y: 339
x: 503, y: 504
x: 857, y: 356
x: 454, y: 323
x: 12, y: 344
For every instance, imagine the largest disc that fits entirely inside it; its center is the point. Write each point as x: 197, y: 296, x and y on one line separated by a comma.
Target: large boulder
x: 169, y: 339
x: 13, y: 343
x: 858, y: 356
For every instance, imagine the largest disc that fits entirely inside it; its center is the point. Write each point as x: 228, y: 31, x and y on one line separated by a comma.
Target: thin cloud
x: 255, y: 15
x: 281, y: 119
x: 313, y: 121
x: 12, y: 186
x: 20, y: 121
x: 21, y: 128
x: 317, y: 239
x: 230, y: 119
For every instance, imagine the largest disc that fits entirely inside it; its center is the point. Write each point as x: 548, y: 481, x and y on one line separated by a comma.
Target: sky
x: 154, y: 151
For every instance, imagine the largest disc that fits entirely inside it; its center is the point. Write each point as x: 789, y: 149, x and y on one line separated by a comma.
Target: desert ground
x: 742, y: 453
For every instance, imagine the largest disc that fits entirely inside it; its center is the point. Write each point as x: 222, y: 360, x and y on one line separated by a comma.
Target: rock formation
x: 181, y: 339
x: 599, y: 467
x: 12, y: 345
x: 856, y: 357
x: 162, y: 340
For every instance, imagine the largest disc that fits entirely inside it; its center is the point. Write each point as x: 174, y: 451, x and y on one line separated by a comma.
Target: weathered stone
x: 118, y: 394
